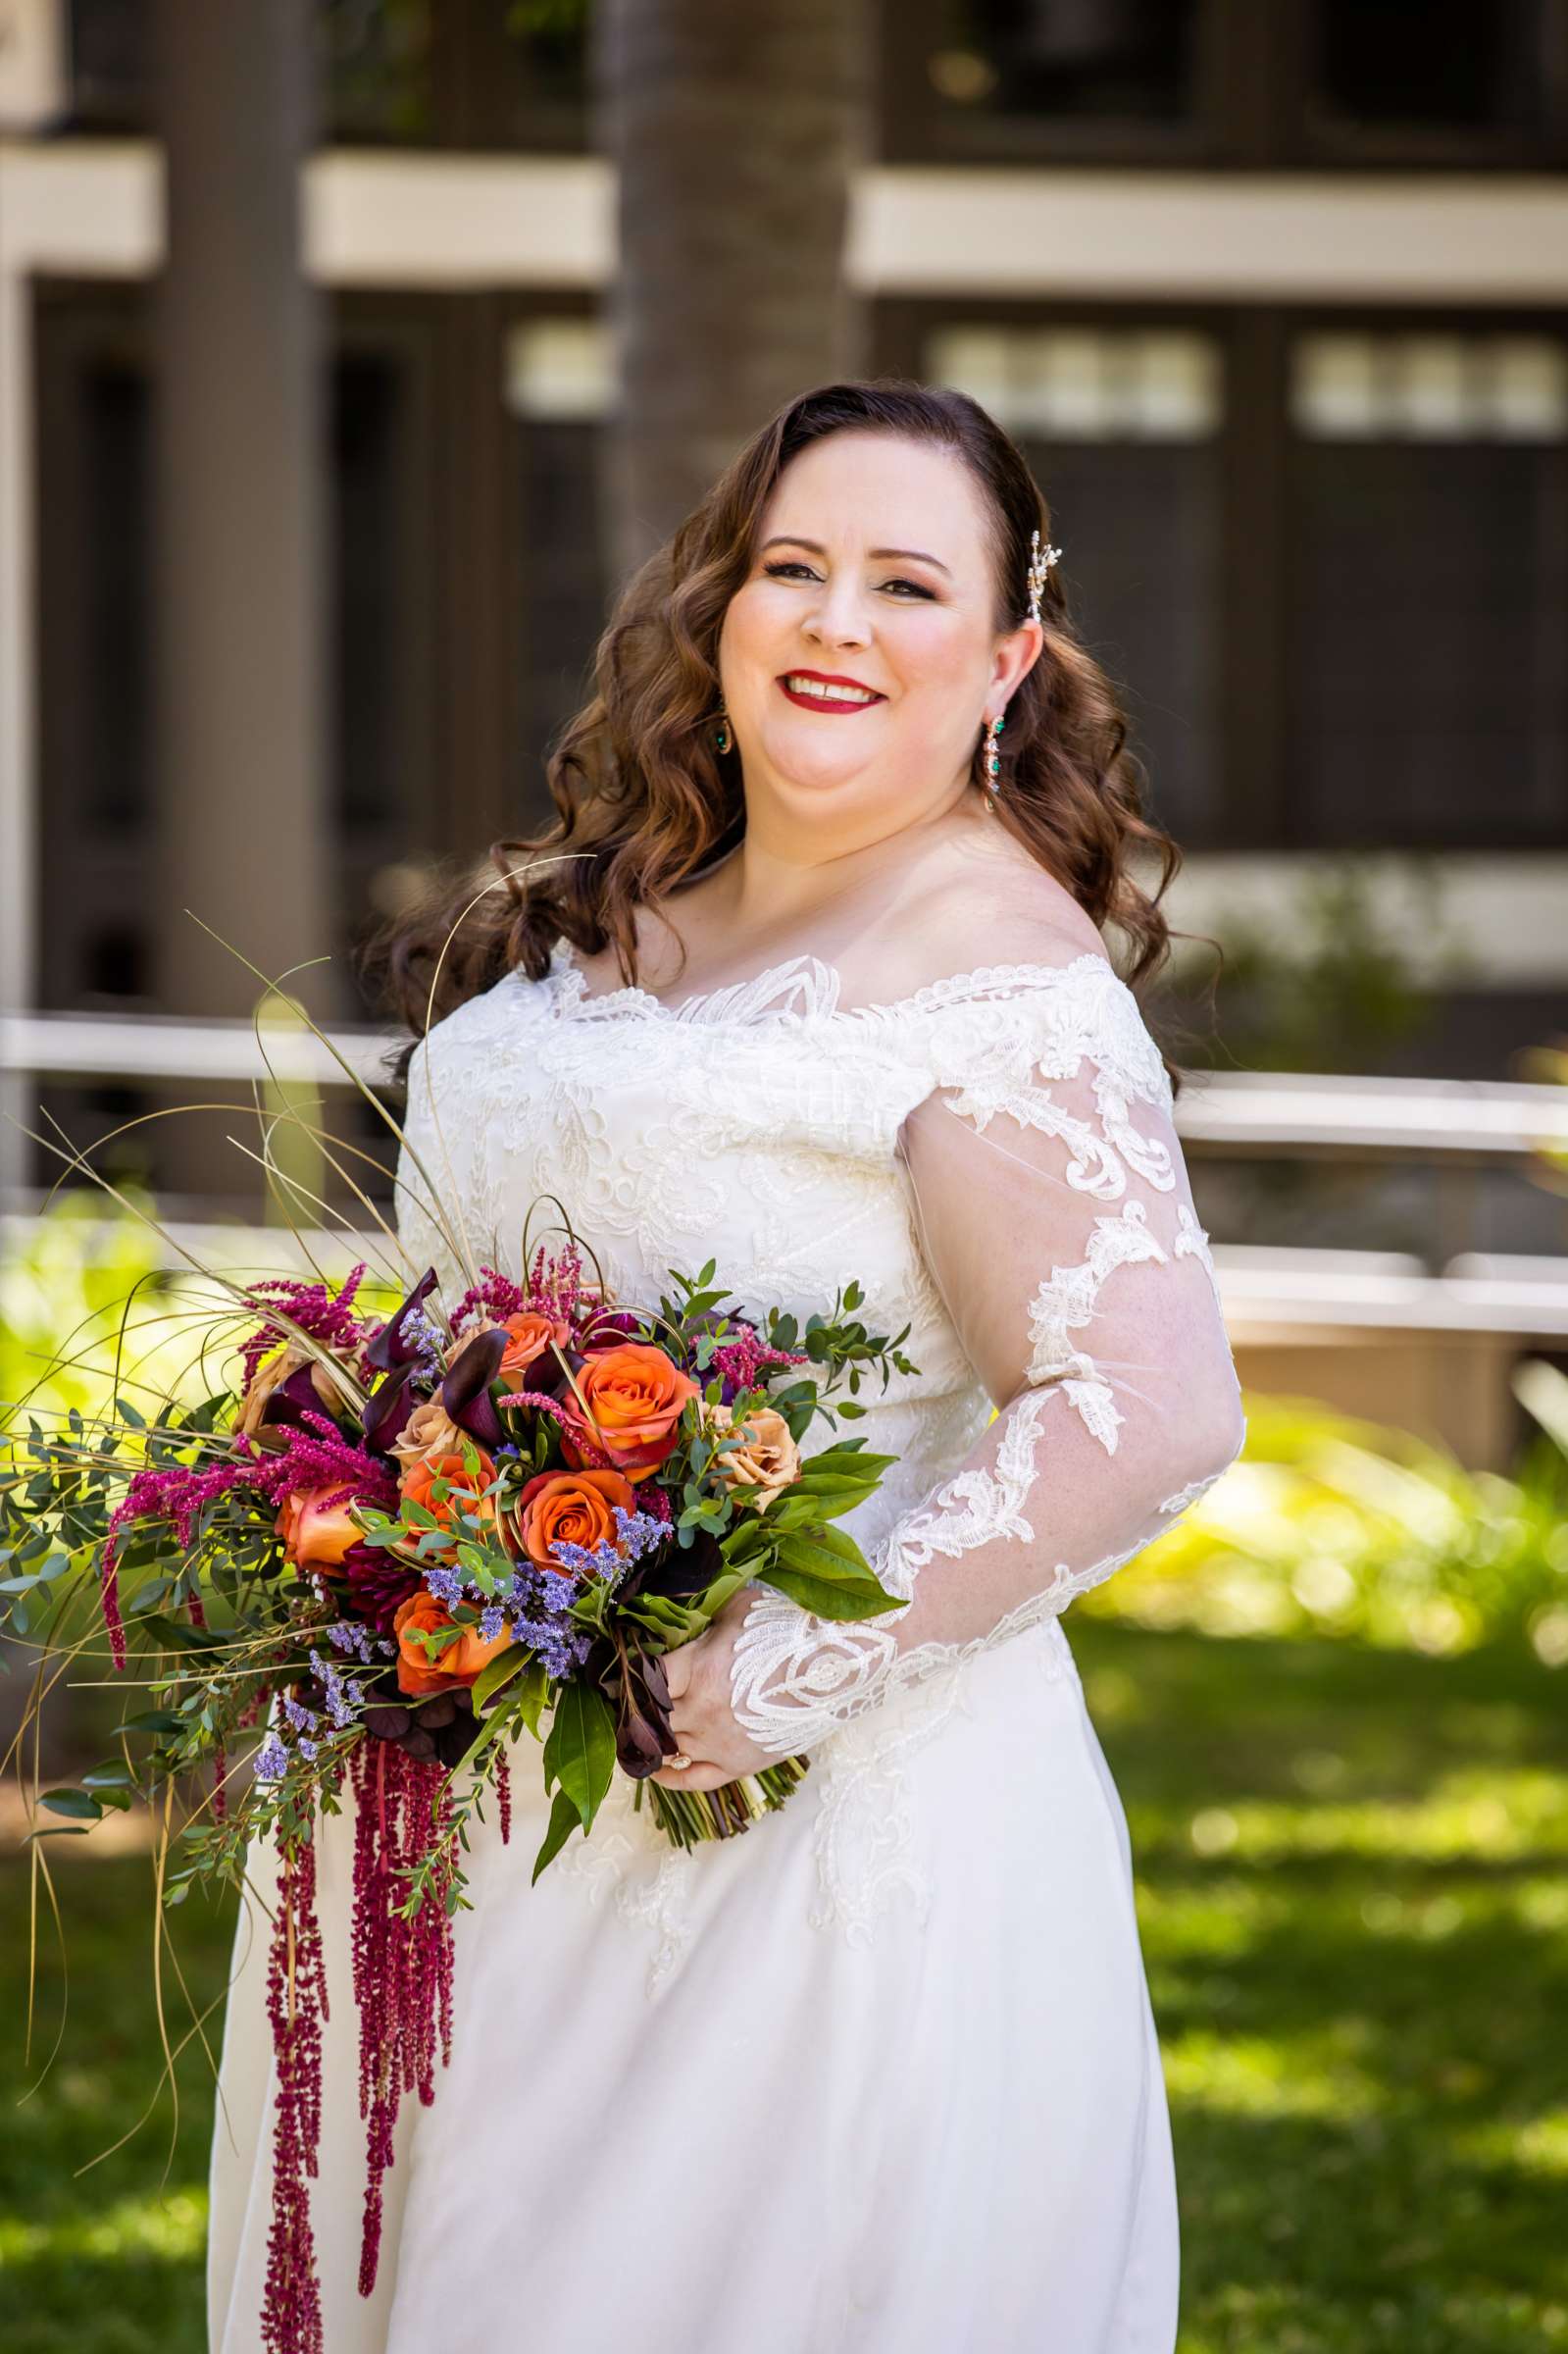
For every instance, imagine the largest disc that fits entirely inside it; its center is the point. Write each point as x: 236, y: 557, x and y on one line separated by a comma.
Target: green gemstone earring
x: 993, y: 765
x: 722, y: 738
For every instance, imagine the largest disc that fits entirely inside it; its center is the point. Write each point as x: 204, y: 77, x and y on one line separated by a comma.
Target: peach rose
x: 421, y: 1672
x: 767, y: 1459
x: 575, y: 1508
x: 270, y: 1375
x: 429, y: 1431
x: 635, y: 1395
x: 458, y: 1507
x: 317, y: 1534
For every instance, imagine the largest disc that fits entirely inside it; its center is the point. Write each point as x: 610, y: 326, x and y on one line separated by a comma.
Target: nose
x: 840, y: 615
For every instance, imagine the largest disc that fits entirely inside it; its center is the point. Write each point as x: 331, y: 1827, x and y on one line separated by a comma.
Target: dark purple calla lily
x: 642, y: 1735
x: 465, y: 1391
x: 293, y: 1400
x: 390, y: 1347
x: 386, y: 1410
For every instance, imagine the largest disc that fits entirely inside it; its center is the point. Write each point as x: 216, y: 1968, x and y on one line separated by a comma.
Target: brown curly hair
x: 643, y: 798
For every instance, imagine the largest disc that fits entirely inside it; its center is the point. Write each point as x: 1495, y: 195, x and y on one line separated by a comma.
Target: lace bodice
x: 990, y: 1155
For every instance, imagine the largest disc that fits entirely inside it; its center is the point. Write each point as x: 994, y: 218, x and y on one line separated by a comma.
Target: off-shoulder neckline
x: 804, y: 988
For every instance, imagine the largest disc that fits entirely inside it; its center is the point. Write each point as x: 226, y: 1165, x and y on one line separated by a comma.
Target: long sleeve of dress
x: 1052, y: 1209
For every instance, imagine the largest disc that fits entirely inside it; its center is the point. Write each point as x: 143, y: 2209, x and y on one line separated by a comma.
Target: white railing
x: 1233, y: 1112
x: 1458, y: 1126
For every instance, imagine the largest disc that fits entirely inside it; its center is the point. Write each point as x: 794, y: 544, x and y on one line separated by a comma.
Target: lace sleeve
x: 1052, y: 1204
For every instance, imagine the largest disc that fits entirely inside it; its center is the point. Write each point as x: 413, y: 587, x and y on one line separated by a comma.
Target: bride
x: 810, y: 978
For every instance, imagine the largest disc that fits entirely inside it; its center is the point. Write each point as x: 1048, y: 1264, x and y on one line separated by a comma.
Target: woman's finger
x: 677, y: 1666
x: 698, y: 1775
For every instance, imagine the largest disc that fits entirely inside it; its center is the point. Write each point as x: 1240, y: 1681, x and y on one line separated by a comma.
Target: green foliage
x: 1354, y: 1909
x: 62, y: 1289
x: 1348, y: 978
x: 1335, y: 1527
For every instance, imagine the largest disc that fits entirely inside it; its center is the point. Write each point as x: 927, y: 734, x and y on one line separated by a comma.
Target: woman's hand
x: 700, y: 1717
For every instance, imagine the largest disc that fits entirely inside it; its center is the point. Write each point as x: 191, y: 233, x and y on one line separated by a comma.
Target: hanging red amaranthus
x: 403, y: 1968
x: 297, y: 2006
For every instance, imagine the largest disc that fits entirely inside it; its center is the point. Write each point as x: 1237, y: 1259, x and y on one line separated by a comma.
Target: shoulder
x: 979, y: 905
x: 470, y: 1032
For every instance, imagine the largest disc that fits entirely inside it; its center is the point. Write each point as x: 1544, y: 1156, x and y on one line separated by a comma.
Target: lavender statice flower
x: 271, y: 1759
x: 424, y: 1337
x: 444, y: 1582
x: 562, y: 1646
x: 607, y: 1562
x: 351, y: 1634
x: 492, y: 1622
x: 343, y: 1694
x: 303, y: 1720
x: 639, y: 1532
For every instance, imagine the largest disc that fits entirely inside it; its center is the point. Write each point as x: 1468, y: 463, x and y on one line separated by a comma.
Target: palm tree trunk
x: 735, y: 126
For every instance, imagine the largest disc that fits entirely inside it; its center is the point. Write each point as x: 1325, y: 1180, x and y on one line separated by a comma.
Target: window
x: 1227, y: 82
x: 1428, y: 590
x: 1122, y: 427
x: 1325, y: 561
x: 466, y: 74
x: 982, y: 79
x: 557, y: 390
x: 1445, y: 82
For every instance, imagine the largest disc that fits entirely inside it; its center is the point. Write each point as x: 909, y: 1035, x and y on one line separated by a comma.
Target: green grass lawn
x: 1354, y: 1889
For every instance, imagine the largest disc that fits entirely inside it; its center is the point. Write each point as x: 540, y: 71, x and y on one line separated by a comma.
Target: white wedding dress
x: 879, y: 2077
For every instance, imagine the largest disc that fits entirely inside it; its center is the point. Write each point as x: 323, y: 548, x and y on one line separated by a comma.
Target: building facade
x: 1276, y: 298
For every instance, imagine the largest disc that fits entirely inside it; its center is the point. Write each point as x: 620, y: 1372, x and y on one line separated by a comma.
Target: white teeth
x: 822, y: 693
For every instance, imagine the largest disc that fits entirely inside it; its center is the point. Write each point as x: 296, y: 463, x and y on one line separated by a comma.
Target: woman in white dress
x: 810, y: 978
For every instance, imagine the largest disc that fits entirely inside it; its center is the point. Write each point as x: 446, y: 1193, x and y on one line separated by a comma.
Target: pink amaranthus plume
x: 403, y: 1968
x: 555, y: 1283
x: 496, y: 1296
x: 297, y: 2006
x: 312, y: 1308
x: 564, y: 1413
x: 315, y: 1457
x: 743, y: 1361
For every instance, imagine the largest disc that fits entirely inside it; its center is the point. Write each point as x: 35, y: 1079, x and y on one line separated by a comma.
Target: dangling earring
x: 993, y: 765
x: 722, y: 738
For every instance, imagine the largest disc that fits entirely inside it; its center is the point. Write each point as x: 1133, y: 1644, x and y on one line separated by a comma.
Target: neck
x: 782, y: 870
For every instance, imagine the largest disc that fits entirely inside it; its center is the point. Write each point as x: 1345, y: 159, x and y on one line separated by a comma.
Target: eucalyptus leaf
x: 80, y: 1805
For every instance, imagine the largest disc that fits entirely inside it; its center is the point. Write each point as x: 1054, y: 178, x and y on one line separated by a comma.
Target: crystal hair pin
x: 1040, y: 560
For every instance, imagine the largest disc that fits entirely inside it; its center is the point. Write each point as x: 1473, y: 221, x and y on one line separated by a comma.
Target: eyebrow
x: 910, y: 554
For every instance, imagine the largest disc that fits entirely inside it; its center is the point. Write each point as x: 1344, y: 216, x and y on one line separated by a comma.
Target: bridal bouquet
x: 390, y: 1546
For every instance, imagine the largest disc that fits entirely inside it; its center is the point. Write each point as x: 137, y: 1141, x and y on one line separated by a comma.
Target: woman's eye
x: 787, y: 568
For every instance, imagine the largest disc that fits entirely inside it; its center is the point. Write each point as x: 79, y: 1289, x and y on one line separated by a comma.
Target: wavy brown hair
x: 642, y: 798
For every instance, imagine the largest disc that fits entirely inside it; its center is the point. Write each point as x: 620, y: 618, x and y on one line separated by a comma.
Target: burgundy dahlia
x: 378, y: 1583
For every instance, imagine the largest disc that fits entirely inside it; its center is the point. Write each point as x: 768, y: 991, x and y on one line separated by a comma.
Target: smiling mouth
x: 814, y: 693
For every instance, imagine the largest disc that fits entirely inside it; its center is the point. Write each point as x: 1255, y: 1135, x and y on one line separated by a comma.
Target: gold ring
x: 678, y: 1762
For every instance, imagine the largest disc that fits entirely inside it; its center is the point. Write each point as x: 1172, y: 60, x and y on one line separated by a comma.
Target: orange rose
x: 315, y: 1534
x: 529, y: 1336
x: 421, y: 1672
x: 457, y: 1509
x: 635, y: 1395
x: 573, y: 1507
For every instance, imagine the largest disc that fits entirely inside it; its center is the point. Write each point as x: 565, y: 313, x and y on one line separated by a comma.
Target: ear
x: 1016, y: 656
